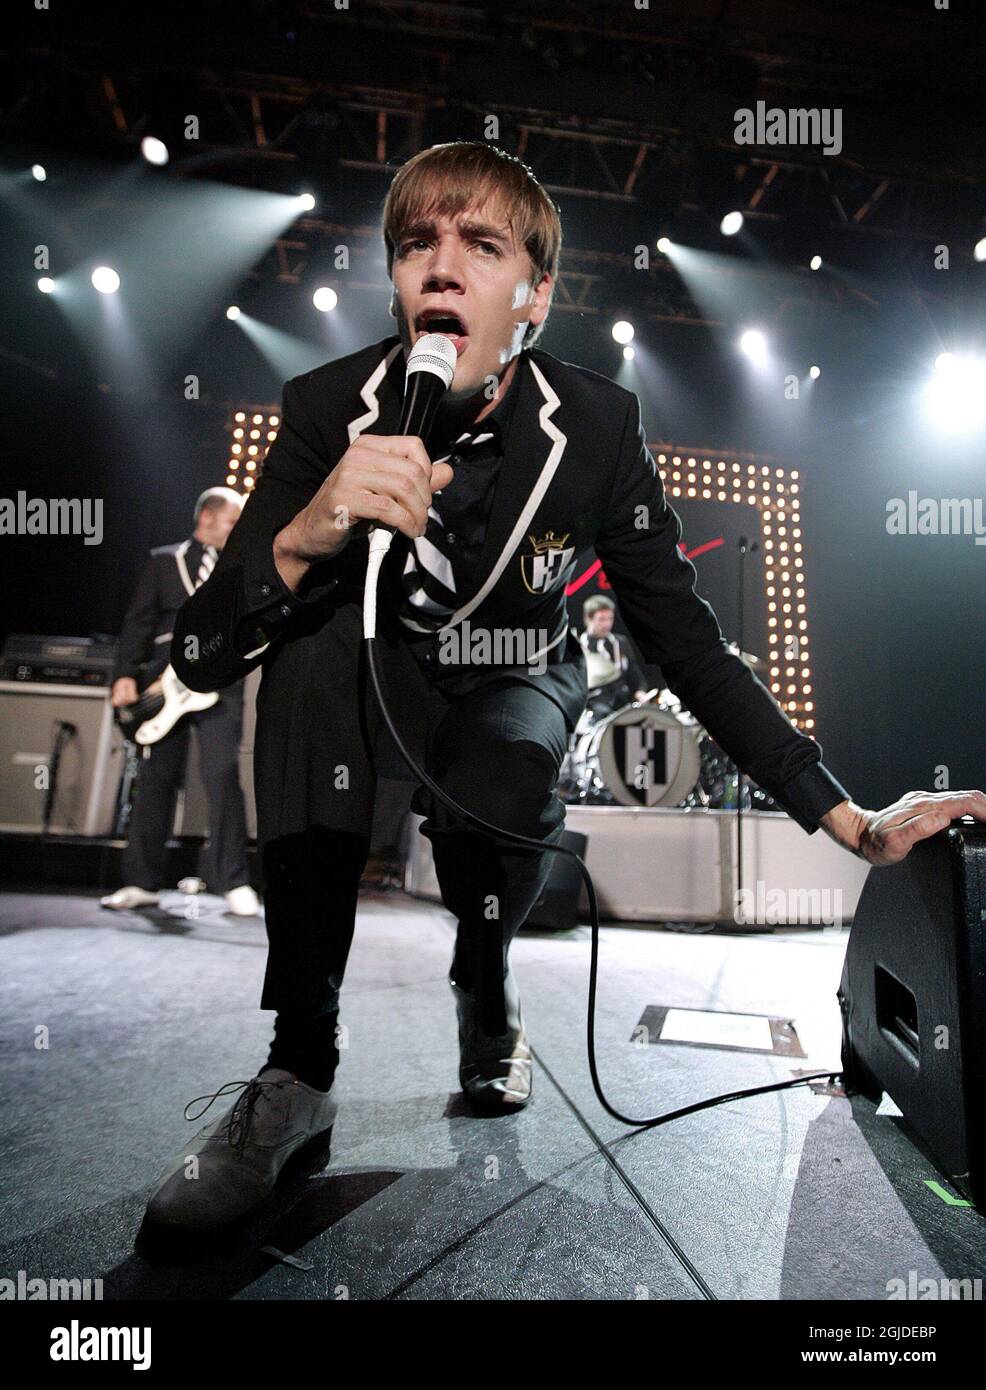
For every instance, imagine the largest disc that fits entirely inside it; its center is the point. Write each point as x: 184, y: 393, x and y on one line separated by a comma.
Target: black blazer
x: 576, y: 473
x: 165, y: 583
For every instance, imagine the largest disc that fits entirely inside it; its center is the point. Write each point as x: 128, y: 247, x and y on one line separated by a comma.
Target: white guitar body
x: 178, y: 700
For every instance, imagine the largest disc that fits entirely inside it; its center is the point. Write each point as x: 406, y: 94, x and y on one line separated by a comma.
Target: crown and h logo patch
x: 548, y: 563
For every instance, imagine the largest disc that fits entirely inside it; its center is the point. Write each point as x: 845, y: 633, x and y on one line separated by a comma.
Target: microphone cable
x: 380, y: 541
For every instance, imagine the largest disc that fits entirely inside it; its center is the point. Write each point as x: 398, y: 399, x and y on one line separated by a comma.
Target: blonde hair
x: 446, y: 180
x: 215, y: 497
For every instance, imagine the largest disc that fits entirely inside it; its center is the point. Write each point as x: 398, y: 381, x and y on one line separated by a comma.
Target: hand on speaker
x: 885, y: 837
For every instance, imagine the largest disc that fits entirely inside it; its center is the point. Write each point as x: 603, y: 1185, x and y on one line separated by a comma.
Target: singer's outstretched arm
x: 675, y: 628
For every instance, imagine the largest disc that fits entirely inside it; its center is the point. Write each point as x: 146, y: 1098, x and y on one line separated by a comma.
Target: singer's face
x: 467, y: 278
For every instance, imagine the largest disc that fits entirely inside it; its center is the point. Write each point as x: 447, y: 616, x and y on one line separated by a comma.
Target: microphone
x: 430, y: 369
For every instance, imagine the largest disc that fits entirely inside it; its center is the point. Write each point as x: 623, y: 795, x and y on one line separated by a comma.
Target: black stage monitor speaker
x: 913, y: 998
x: 557, y: 907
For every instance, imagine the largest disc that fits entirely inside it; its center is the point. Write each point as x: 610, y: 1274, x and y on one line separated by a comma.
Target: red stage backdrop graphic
x: 721, y: 498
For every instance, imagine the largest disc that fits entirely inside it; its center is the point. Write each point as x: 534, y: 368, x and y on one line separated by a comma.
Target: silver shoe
x: 232, y: 1165
x: 494, y: 1072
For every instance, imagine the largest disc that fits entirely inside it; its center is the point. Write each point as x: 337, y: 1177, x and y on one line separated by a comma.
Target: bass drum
x: 640, y: 755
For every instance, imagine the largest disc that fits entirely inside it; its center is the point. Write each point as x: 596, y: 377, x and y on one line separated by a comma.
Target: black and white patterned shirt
x: 440, y: 565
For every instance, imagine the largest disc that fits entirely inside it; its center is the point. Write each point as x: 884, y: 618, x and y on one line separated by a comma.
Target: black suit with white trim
x: 576, y: 473
x: 144, y: 651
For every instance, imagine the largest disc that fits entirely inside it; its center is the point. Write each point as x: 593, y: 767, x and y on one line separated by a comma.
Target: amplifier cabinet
x: 90, y: 766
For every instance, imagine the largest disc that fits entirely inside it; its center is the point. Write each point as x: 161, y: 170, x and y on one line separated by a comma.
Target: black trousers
x: 223, y: 863
x: 605, y: 699
x: 497, y: 751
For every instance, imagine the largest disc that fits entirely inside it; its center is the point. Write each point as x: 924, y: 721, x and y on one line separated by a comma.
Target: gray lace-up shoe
x: 232, y: 1165
x: 495, y: 1073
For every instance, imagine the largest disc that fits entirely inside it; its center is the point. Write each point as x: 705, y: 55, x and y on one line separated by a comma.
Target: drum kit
x: 651, y: 753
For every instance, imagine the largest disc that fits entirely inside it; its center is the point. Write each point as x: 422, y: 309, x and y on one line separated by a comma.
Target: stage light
x: 325, y: 299
x: 979, y: 250
x: 628, y: 354
x: 623, y: 331
x: 731, y: 223
x: 815, y: 263
x: 155, y: 151
x: 46, y: 285
x: 664, y: 245
x: 955, y: 398
x: 306, y: 201
x: 814, y: 373
x: 233, y: 312
x: 753, y: 345
x: 41, y: 173
x: 105, y: 279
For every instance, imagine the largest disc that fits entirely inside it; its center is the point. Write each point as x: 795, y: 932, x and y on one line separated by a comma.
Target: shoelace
x: 238, y: 1129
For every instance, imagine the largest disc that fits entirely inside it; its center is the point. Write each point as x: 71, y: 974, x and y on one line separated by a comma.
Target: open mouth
x: 446, y: 322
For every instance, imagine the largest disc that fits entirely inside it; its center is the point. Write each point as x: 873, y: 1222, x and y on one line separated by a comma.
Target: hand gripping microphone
x: 430, y: 368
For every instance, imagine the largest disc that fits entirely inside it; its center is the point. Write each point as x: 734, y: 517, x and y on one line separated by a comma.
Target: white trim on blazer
x: 558, y: 445
x: 183, y: 573
x: 368, y: 395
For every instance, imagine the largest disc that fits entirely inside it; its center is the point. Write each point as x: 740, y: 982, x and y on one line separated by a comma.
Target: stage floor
x: 793, y: 1195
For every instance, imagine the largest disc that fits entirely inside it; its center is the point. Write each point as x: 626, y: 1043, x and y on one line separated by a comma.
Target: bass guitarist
x: 175, y: 572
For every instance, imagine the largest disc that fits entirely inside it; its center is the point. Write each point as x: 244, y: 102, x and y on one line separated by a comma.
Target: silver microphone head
x: 434, y: 353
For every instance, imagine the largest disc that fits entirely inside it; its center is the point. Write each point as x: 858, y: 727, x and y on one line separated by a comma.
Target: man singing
x: 530, y: 462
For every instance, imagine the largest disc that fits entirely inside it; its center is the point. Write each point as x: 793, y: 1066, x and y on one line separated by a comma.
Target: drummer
x: 613, y: 670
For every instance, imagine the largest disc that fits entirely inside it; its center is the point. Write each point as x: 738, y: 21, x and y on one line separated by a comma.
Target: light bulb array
x: 775, y: 492
x: 253, y: 431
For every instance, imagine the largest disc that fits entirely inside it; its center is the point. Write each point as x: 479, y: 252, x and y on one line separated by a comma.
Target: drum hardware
x: 653, y: 754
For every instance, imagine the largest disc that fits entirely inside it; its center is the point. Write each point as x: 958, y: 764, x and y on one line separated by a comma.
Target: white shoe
x: 131, y: 896
x: 231, y: 1167
x: 243, y: 901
